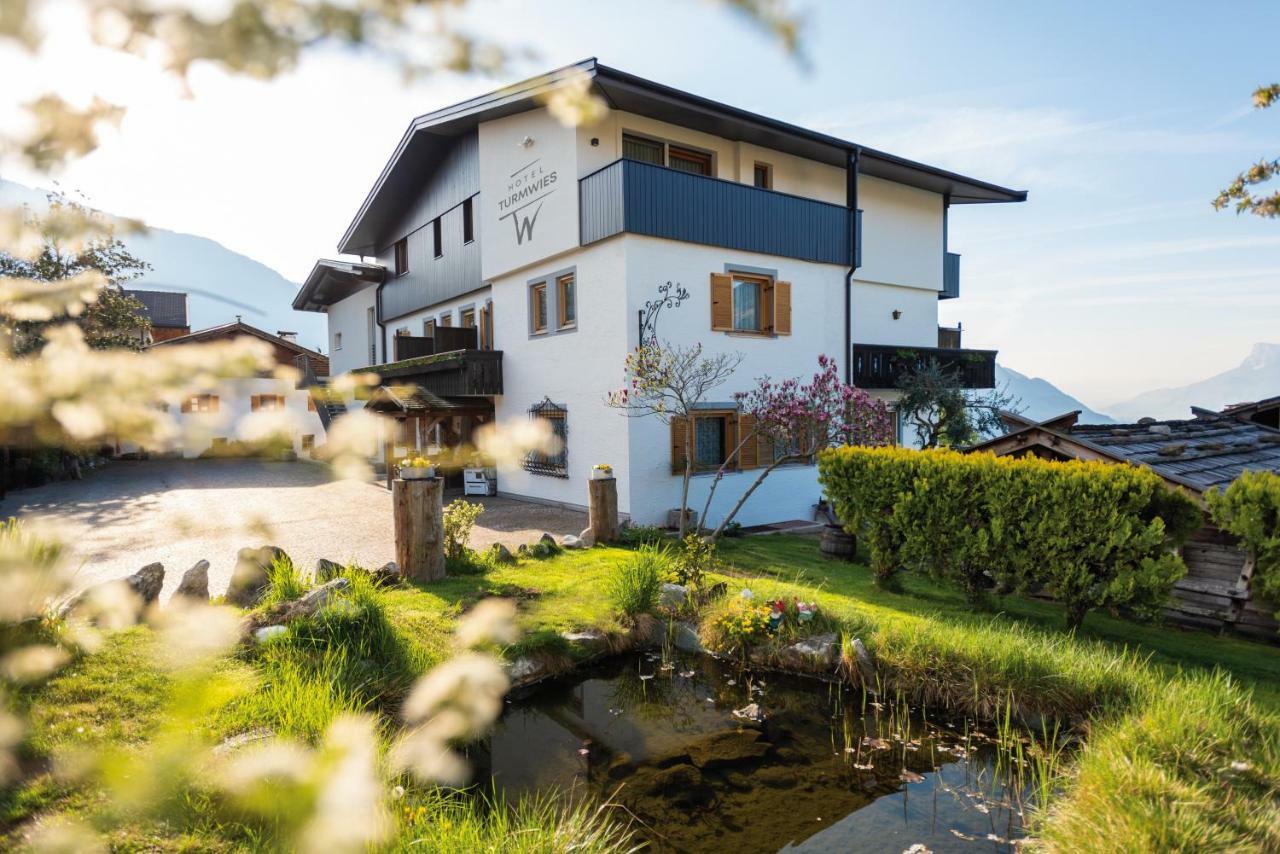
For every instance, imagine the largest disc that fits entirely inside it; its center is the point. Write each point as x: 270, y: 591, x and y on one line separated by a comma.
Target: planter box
x: 673, y: 519
x: 413, y: 473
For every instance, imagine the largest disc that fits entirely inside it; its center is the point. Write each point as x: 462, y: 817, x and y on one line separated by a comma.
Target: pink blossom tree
x: 798, y: 419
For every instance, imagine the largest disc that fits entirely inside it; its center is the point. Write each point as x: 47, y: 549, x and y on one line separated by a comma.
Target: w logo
x: 524, y: 222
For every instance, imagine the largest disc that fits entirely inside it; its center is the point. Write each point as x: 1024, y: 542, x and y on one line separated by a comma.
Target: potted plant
x: 601, y: 471
x: 417, y: 468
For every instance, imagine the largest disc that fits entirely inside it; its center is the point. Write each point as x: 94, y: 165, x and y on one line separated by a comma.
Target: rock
x: 1160, y: 429
x: 593, y: 640
x: 194, y: 586
x: 327, y: 569
x: 548, y: 540
x: 235, y: 742
x: 522, y: 671
x: 672, y: 596
x: 775, y: 777
x: 522, y: 549
x: 250, y: 579
x: 819, y: 653
x: 866, y: 666
x: 1173, y: 449
x: 286, y: 612
x: 501, y: 554
x: 572, y: 542
x: 681, y: 785
x: 587, y: 538
x: 147, y: 582
x: 750, y: 713
x: 266, y: 633
x: 686, y: 639
x: 387, y: 575
x: 727, y: 748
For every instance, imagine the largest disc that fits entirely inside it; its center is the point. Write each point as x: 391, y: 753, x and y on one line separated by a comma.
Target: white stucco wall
x: 873, y: 321
x: 235, y: 416
x: 901, y: 234
x: 351, y: 318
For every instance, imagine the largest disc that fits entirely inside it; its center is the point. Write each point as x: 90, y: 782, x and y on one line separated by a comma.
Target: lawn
x: 1182, y: 741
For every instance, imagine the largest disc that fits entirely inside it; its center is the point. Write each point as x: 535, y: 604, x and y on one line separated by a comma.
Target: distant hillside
x: 1041, y: 399
x: 1258, y: 376
x: 222, y: 283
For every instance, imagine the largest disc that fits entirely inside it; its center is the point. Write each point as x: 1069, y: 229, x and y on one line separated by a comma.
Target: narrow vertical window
x: 763, y: 176
x: 337, y: 340
x: 687, y: 160
x: 436, y: 243
x: 446, y: 319
x: 747, y: 298
x: 644, y: 150
x: 429, y: 327
x: 567, y: 300
x: 402, y: 256
x: 373, y: 337
x: 538, y: 307
x: 468, y: 318
x: 468, y: 225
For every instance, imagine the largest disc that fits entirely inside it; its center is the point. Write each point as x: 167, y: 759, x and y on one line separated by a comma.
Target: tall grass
x: 636, y: 583
x: 440, y: 823
x: 285, y: 582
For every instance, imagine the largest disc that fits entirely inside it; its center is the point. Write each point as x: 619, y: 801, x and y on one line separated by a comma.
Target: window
x: 429, y: 327
x: 686, y: 160
x: 436, y: 243
x: 468, y: 319
x: 554, y: 464
x: 337, y: 340
x: 372, y: 323
x: 402, y: 331
x: 538, y: 307
x: 763, y: 177
x: 267, y: 402
x: 749, y: 303
x: 486, y: 326
x: 468, y: 224
x: 567, y: 300
x: 709, y: 439
x: 446, y: 319
x: 311, y: 402
x: 716, y: 435
x: 308, y: 442
x: 200, y: 403
x: 402, y: 256
x: 644, y: 150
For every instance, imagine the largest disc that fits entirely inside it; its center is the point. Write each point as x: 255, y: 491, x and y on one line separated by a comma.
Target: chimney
x: 288, y: 336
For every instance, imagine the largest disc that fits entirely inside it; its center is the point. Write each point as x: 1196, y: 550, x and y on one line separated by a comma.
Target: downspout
x: 377, y: 318
x: 851, y: 196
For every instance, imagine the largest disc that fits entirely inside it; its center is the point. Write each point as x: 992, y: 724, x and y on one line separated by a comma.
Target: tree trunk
x: 418, y: 511
x: 689, y: 452
x: 602, y: 509
x: 711, y: 493
x: 743, y: 499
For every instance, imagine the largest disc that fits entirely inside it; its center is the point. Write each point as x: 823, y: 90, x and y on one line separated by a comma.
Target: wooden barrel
x: 838, y: 543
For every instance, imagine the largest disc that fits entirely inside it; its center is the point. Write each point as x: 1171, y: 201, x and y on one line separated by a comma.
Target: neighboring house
x: 526, y: 250
x: 216, y: 416
x: 167, y: 311
x: 1198, y: 454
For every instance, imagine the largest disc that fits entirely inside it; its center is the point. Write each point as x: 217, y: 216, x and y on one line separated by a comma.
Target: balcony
x: 641, y: 198
x: 950, y: 276
x: 459, y: 371
x: 879, y: 366
x: 949, y: 337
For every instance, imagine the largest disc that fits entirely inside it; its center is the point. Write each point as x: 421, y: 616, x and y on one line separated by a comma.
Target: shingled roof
x: 1201, y: 452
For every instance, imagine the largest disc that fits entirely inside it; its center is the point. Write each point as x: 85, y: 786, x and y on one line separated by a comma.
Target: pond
x: 826, y: 770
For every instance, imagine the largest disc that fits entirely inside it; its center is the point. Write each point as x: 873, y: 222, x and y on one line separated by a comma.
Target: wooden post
x: 602, y: 510
x: 418, y: 511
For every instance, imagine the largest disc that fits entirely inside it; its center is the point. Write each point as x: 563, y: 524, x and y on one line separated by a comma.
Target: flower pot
x: 673, y: 519
x: 601, y: 474
x: 415, y: 473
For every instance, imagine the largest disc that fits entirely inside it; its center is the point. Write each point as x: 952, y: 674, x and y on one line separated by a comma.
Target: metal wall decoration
x: 556, y: 464
x: 670, y: 295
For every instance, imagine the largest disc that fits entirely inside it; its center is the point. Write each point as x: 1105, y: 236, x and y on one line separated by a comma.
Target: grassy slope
x: 1163, y: 733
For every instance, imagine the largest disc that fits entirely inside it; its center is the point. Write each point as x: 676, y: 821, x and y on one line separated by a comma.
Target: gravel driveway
x: 129, y: 514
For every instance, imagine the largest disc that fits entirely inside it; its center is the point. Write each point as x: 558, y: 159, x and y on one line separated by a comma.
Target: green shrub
x: 459, y: 518
x: 640, y: 535
x: 696, y: 558
x: 1250, y: 509
x: 1093, y: 533
x: 635, y: 584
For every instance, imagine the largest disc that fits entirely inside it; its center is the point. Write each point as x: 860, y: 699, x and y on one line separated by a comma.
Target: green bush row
x: 1093, y: 534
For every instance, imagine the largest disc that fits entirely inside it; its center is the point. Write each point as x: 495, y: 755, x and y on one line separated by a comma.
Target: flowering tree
x: 799, y: 419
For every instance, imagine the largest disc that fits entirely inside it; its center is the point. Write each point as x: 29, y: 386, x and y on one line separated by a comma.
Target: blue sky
x: 1122, y: 119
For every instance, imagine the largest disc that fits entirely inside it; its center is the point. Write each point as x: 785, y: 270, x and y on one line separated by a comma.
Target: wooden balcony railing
x: 456, y: 373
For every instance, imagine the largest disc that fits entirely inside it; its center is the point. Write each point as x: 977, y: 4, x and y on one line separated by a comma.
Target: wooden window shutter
x: 749, y: 455
x: 764, y: 450
x: 255, y: 403
x: 782, y: 308
x: 679, y: 447
x: 721, y: 302
x: 213, y: 403
x: 186, y: 404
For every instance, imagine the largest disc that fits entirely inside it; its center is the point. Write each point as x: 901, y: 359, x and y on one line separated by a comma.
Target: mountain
x: 1257, y: 377
x: 1041, y: 399
x: 221, y: 283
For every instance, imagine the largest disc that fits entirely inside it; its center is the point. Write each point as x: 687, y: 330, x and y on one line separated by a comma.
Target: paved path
x: 179, y: 511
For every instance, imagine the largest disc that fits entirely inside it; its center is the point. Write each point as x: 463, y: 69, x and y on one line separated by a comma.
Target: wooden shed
x: 1196, y: 454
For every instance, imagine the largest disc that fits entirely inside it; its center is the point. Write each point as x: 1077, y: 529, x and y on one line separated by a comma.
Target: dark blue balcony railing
x: 879, y: 366
x: 641, y: 198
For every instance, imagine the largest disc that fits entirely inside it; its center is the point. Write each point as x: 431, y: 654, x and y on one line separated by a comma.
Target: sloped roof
x: 330, y: 281
x: 416, y: 400
x: 165, y: 309
x: 319, y: 361
x: 413, y: 159
x: 1203, y: 452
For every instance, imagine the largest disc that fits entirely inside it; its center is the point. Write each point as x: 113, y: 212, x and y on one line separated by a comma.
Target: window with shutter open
x: 750, y: 304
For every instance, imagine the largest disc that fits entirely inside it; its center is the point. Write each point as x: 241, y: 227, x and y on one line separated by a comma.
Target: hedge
x: 1093, y: 534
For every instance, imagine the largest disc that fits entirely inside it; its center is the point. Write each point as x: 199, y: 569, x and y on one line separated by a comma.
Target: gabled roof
x: 429, y: 135
x: 1208, y: 451
x: 165, y: 309
x: 320, y: 362
x: 331, y: 281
